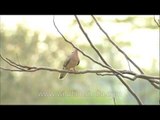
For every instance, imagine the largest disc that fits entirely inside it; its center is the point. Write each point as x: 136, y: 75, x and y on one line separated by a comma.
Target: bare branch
x: 106, y: 74
x: 11, y: 63
x: 122, y: 51
x: 8, y: 69
x: 23, y: 68
x: 128, y: 64
x: 158, y: 23
x: 80, y: 26
x: 146, y: 77
x: 153, y: 79
x: 33, y: 69
x: 116, y: 45
x: 130, y: 90
x: 108, y: 67
x: 115, y: 73
x: 120, y: 74
x: 155, y: 85
x: 114, y: 100
x: 76, y: 47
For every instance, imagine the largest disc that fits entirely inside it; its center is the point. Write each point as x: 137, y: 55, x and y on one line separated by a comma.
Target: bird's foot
x: 73, y: 70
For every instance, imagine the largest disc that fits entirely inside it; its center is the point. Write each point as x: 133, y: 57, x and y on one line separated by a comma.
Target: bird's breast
x: 73, y: 62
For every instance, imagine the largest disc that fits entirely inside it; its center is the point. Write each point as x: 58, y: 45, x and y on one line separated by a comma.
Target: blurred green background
x: 136, y: 35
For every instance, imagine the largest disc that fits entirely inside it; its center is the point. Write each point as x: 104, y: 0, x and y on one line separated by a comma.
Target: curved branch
x: 108, y: 67
x: 76, y: 47
x: 158, y: 23
x: 115, y: 73
x: 120, y: 74
x: 80, y: 26
x: 121, y: 50
x: 24, y: 68
x: 130, y: 90
x: 116, y: 45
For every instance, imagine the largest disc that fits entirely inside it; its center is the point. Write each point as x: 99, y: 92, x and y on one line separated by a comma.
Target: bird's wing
x: 78, y: 62
x: 72, y: 60
x: 67, y: 61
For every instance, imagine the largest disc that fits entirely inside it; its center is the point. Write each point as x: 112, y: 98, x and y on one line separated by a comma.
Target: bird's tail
x: 62, y: 75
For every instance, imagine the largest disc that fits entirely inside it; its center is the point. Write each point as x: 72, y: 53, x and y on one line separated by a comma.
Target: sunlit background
x: 33, y: 40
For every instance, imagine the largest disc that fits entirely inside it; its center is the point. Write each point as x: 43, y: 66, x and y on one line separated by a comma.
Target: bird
x: 70, y: 63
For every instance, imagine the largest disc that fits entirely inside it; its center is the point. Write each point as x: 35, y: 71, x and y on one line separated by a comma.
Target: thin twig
x: 80, y: 26
x: 158, y: 23
x: 121, y: 50
x: 76, y: 47
x: 91, y: 44
x: 130, y: 90
x: 116, y: 45
x: 155, y: 85
x: 11, y: 63
x: 114, y: 100
x: 120, y: 74
x: 128, y: 64
x: 12, y: 70
x: 22, y: 66
x: 154, y: 81
x: 84, y: 53
x: 33, y: 69
x: 104, y: 72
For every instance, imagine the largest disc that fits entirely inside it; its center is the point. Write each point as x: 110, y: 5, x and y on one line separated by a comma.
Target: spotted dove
x: 70, y: 63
